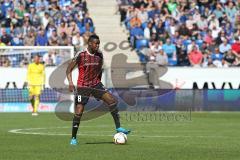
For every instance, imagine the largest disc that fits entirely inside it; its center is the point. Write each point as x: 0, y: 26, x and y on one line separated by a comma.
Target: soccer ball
x: 120, y: 138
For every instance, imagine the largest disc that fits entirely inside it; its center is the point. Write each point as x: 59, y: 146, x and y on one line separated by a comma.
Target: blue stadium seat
x: 8, y: 30
x: 79, y: 24
x: 172, y: 62
x: 142, y: 58
x: 83, y: 30
x: 144, y: 25
x: 141, y: 43
x: 150, y: 14
x: 128, y: 25
x: 231, y: 41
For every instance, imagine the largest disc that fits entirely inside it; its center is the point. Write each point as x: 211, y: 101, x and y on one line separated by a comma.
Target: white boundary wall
x: 18, y: 75
x: 184, y: 77
x: 181, y: 77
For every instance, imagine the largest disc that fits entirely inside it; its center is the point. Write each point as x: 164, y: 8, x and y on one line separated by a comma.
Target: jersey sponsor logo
x: 88, y: 64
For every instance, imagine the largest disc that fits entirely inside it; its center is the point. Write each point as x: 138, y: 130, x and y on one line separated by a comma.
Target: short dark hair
x: 37, y: 55
x: 92, y: 37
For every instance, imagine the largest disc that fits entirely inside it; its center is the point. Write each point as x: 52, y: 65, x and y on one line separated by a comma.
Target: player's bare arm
x: 71, y: 66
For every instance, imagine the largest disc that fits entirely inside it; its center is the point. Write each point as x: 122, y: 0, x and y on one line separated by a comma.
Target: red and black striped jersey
x: 89, y: 67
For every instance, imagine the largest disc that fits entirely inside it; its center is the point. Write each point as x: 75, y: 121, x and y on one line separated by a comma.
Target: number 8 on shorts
x: 79, y: 98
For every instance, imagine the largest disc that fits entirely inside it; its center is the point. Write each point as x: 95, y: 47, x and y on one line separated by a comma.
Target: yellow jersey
x: 36, y: 74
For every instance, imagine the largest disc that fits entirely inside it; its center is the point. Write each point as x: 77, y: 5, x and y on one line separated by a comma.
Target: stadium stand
x: 40, y: 23
x: 22, y: 57
x: 179, y: 26
x: 45, y: 22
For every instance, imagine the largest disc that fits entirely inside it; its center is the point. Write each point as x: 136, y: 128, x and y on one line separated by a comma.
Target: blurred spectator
x: 217, y: 58
x: 142, y: 14
x: 146, y: 52
x: 190, y: 22
x: 50, y: 28
x: 207, y: 60
x: 191, y: 46
x: 46, y: 20
x: 17, y: 40
x: 229, y: 58
x: 215, y: 31
x: 19, y: 14
x: 212, y: 46
x: 88, y: 19
x: 195, y: 57
x: 213, y: 22
x: 221, y: 37
x: 73, y: 29
x: 156, y: 46
x: 6, y: 62
x: 63, y: 39
x: 172, y: 27
x: 161, y: 58
x: 231, y: 11
x: 236, y: 47
x: 24, y: 62
x: 87, y: 32
x: 170, y: 50
x: 194, y: 31
x: 1, y: 43
x: 218, y: 12
x: 62, y: 28
x: 135, y: 21
x: 202, y: 23
x: 136, y: 33
x: 183, y: 30
x: 42, y: 23
x: 5, y: 38
x: 237, y: 63
x: 1, y: 61
x: 148, y: 31
x: 29, y: 39
x: 207, y: 12
x: 205, y: 24
x: 18, y: 18
x: 41, y: 39
x: 48, y: 58
x: 160, y: 28
x: 208, y: 37
x: 224, y: 47
x: 25, y: 28
x: 57, y: 59
x: 54, y: 40
x: 77, y: 40
x: 182, y: 59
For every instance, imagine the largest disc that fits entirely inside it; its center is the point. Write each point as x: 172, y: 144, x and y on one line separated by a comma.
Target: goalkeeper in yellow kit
x: 36, y: 81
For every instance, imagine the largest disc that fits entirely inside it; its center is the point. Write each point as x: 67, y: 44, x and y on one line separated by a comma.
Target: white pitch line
x: 102, y: 134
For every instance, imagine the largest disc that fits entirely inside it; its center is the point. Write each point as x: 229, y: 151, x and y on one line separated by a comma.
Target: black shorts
x: 83, y: 93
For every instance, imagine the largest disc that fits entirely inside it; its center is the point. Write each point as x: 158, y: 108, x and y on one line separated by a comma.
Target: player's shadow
x: 99, y: 143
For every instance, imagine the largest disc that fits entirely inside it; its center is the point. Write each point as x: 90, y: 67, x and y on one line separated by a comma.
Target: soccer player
x: 89, y: 63
x: 36, y: 81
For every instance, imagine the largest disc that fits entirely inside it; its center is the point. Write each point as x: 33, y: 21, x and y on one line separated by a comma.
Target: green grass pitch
x: 207, y: 136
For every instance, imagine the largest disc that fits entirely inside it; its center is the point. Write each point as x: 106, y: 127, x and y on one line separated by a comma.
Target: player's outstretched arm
x: 69, y: 70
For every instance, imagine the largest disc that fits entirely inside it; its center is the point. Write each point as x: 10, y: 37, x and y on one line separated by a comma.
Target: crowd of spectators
x: 201, y: 33
x: 44, y: 23
x: 21, y: 58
